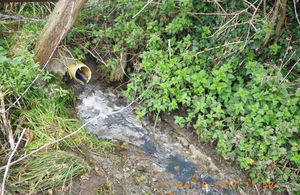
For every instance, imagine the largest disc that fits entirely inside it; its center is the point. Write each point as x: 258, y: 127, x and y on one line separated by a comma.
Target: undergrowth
x: 234, y: 81
x: 45, y: 111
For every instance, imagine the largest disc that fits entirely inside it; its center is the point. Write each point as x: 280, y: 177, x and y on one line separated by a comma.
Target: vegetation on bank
x: 45, y: 110
x: 230, y: 67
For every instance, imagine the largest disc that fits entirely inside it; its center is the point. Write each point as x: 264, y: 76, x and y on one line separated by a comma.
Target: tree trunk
x: 58, y: 23
x: 273, y: 21
x: 281, y: 20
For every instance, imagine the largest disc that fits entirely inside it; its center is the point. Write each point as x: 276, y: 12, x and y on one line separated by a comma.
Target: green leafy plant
x: 216, y: 70
x: 45, y: 111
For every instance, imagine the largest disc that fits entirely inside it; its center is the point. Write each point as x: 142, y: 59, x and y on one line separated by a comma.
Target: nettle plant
x: 232, y: 88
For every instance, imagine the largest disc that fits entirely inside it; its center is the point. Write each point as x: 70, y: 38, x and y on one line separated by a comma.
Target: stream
x: 117, y: 122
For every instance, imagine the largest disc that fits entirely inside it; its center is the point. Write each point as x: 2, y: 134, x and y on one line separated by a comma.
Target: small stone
x: 132, y: 138
x: 126, y: 175
x: 226, y: 157
x: 176, y: 168
x: 183, y: 141
x: 140, y: 167
x: 118, y: 176
x: 98, y: 171
x: 84, y: 177
x: 194, y: 150
x: 50, y: 192
x: 197, y: 153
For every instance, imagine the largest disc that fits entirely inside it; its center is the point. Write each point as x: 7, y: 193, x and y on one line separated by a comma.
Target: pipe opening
x: 80, y: 73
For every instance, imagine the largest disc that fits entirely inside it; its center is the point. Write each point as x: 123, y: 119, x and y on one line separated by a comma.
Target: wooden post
x: 55, y: 26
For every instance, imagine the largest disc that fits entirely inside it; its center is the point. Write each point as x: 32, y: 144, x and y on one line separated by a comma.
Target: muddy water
x: 170, y: 157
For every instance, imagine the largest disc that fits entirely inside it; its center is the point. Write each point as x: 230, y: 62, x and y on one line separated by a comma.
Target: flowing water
x: 115, y: 121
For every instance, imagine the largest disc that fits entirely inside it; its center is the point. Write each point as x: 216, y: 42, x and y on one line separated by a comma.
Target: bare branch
x: 6, y: 122
x: 216, y: 2
x: 100, y: 59
x: 273, y: 20
x: 291, y: 56
x: 296, y: 12
x: 9, y: 160
x: 21, y: 18
x: 220, y: 46
x: 251, y: 22
x: 214, y: 14
x: 289, y: 71
x: 142, y: 9
x: 251, y: 4
x: 265, y: 12
x: 285, y: 53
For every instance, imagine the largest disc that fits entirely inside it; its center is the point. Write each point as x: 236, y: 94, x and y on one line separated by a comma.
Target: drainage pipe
x: 80, y: 72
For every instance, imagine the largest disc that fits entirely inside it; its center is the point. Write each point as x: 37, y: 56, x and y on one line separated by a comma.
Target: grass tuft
x: 45, y: 170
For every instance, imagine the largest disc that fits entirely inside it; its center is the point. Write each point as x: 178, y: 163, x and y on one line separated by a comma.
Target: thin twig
x: 100, y: 59
x: 236, y: 24
x: 169, y: 48
x: 220, y: 46
x: 286, y: 52
x: 265, y: 12
x: 235, y: 15
x: 246, y: 40
x: 273, y: 20
x: 256, y: 189
x: 200, y: 13
x: 6, y: 122
x: 142, y: 9
x: 123, y: 60
x: 216, y: 2
x: 214, y: 14
x: 9, y: 160
x: 221, y: 28
x: 255, y: 8
x: 4, y: 16
x: 251, y: 22
x: 121, y: 85
x: 289, y: 71
x: 291, y: 56
x: 253, y: 15
x: 296, y: 12
x: 156, y: 118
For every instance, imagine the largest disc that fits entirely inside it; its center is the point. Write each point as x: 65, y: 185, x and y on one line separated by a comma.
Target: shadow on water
x: 124, y: 126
